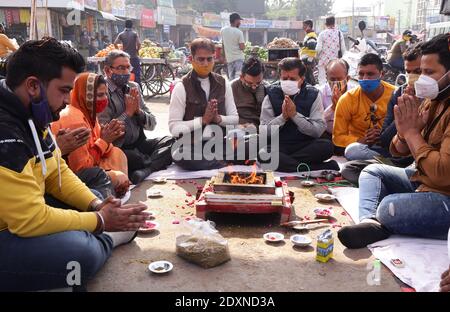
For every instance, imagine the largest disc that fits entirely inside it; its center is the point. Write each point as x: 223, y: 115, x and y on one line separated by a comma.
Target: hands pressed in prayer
x: 408, y: 119
x: 70, y: 140
x: 289, y: 110
x: 336, y: 96
x: 211, y: 113
x: 119, y: 217
x: 372, y: 136
x: 132, y: 102
x: 112, y: 131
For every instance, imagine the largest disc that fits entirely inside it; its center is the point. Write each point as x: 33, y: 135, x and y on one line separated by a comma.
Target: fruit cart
x: 157, y: 73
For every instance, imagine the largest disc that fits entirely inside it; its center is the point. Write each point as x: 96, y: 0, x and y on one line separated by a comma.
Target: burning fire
x: 245, y: 178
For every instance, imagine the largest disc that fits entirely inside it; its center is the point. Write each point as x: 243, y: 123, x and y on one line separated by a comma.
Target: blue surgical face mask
x: 40, y: 110
x: 369, y: 85
x: 120, y: 79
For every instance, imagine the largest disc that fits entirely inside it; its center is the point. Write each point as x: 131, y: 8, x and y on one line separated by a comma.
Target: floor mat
x: 424, y: 259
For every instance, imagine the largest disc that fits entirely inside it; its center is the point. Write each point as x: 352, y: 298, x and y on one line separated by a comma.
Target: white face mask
x: 290, y: 87
x: 428, y: 88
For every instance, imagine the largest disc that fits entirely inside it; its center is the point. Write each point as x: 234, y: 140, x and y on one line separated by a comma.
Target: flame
x: 251, y: 178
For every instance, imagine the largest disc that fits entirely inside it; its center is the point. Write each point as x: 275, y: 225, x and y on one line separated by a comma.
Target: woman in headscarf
x: 89, y: 98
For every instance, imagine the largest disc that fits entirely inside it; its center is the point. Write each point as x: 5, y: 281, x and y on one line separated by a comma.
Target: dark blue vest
x: 289, y: 133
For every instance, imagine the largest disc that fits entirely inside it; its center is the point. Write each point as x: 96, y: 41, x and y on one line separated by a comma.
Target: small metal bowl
x: 154, y: 193
x: 301, y: 240
x: 308, y: 183
x: 273, y: 237
x: 323, y: 213
x: 159, y: 180
x: 325, y: 197
x: 160, y: 267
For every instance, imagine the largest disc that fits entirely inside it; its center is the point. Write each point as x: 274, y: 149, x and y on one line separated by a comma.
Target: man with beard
x: 249, y: 92
x: 39, y: 240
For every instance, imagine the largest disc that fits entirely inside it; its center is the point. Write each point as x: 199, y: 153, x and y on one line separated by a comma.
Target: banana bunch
x: 150, y: 52
x: 147, y: 43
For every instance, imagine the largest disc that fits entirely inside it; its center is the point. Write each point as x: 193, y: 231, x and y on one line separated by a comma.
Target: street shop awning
x: 206, y: 32
x: 109, y: 16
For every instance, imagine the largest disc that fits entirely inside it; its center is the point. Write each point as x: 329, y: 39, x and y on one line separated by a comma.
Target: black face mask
x: 41, y: 112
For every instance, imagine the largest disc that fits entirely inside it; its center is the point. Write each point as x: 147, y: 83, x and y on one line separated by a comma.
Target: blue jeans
x: 387, y: 194
x: 235, y: 69
x: 358, y: 151
x: 40, y: 263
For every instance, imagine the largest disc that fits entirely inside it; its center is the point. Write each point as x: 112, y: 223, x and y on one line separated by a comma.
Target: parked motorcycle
x: 360, y: 47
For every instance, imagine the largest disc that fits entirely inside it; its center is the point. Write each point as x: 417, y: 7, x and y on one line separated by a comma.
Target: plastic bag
x: 202, y: 244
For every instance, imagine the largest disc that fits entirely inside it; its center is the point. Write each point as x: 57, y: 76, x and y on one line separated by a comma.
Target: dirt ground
x: 254, y: 266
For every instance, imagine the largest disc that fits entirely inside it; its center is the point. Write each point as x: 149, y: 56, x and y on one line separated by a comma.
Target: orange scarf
x: 84, y: 94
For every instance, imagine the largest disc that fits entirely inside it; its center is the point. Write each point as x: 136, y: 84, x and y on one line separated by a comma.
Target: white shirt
x: 231, y: 38
x: 177, y: 110
x: 327, y: 101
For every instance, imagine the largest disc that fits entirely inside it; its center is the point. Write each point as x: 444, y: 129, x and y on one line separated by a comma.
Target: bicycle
x: 157, y: 76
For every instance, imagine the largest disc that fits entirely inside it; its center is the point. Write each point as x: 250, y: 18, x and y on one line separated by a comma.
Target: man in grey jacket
x: 127, y: 104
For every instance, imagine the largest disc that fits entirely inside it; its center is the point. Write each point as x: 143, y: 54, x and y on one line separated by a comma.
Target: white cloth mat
x: 425, y: 259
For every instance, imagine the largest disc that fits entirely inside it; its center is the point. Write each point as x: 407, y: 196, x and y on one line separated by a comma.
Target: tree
x: 313, y: 9
x: 216, y: 6
x: 277, y: 9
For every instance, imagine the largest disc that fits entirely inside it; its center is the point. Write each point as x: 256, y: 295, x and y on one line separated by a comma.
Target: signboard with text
x: 280, y: 24
x: 167, y: 16
x: 165, y: 3
x: 263, y: 24
x: 248, y: 23
x: 118, y: 7
x: 148, y: 18
x: 212, y: 20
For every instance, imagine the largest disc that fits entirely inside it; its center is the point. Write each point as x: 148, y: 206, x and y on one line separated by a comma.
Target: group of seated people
x: 71, y: 142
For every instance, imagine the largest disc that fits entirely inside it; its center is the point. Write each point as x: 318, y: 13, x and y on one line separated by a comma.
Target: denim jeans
x: 40, y: 263
x: 387, y: 194
x: 358, y: 151
x: 235, y: 69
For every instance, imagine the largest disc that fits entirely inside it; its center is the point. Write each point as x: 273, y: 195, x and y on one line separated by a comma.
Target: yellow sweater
x: 23, y: 182
x: 352, y: 116
x: 305, y: 50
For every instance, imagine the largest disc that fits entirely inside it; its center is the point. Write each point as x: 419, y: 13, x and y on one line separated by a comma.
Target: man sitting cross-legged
x: 296, y: 108
x: 201, y: 104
